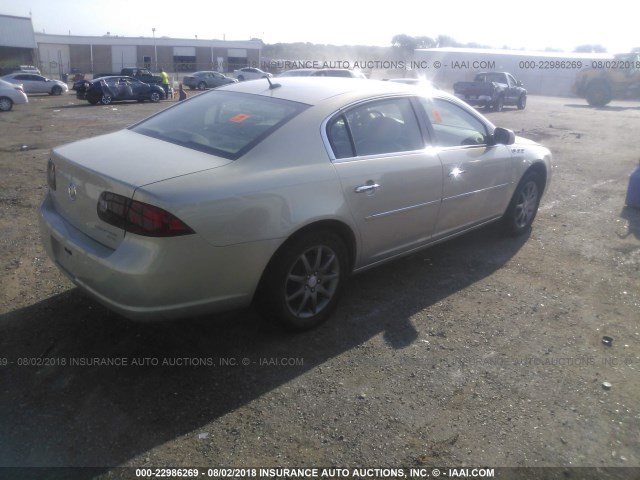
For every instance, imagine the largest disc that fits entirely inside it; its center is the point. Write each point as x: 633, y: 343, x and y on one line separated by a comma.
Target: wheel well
x: 342, y: 230
x: 540, y: 170
x: 334, y: 226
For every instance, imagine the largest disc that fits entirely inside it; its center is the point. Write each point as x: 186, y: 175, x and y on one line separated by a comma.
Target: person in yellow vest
x: 165, y: 82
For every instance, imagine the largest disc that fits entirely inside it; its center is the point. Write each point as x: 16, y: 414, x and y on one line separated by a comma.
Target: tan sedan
x: 274, y: 193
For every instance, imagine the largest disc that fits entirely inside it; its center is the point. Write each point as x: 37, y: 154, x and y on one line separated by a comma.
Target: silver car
x: 274, y: 193
x: 10, y: 94
x: 33, y: 83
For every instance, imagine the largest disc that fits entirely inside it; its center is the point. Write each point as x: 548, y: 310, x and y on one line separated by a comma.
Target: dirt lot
x: 485, y: 351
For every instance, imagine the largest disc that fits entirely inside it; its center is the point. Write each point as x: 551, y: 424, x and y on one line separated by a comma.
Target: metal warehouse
x: 57, y: 55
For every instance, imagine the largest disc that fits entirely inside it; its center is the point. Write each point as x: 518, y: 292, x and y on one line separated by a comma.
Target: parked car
x: 338, y: 72
x: 492, y: 90
x: 276, y: 193
x: 10, y: 94
x: 206, y: 79
x: 115, y: 89
x: 33, y: 83
x: 250, y: 73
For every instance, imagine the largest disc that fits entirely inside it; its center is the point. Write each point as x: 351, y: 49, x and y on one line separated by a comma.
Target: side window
x: 452, y: 125
x: 339, y: 138
x: 373, y: 128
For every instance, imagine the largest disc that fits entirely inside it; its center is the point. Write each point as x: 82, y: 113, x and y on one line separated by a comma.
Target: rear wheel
x: 523, y: 207
x: 202, y: 86
x: 57, y: 90
x: 6, y: 104
x: 155, y: 97
x: 304, y: 280
x: 499, y: 105
x: 93, y: 101
x: 240, y: 78
x: 106, y: 99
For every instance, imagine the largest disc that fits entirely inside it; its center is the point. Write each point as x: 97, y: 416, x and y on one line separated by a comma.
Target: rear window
x: 226, y: 124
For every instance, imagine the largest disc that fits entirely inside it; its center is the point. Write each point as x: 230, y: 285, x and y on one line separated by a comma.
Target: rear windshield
x: 226, y: 124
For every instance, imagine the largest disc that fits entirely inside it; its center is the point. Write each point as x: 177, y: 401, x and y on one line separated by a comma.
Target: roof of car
x: 313, y: 90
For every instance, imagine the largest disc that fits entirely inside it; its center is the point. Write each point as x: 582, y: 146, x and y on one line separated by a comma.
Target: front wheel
x: 304, y: 280
x: 155, y: 97
x: 522, y: 101
x: 56, y: 90
x: 6, y: 104
x: 523, y: 207
x: 106, y: 99
x: 598, y: 94
x: 202, y: 86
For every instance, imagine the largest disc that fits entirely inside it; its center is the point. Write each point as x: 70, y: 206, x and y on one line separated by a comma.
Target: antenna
x: 272, y: 85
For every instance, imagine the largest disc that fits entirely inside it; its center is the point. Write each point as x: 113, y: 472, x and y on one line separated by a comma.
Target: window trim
x: 488, y: 125
x: 418, y: 111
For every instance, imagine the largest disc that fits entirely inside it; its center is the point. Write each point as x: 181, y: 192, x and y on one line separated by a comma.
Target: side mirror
x: 502, y: 136
x: 519, y: 83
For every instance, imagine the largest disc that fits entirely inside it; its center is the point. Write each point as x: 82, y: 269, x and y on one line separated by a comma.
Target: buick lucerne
x: 272, y: 194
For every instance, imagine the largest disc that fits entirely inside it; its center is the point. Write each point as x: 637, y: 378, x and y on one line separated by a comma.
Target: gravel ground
x: 485, y: 351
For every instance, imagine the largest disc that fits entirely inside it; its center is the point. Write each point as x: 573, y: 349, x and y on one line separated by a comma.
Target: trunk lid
x: 120, y: 163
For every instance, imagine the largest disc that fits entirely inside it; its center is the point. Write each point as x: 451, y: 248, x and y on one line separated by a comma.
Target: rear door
x: 392, y: 183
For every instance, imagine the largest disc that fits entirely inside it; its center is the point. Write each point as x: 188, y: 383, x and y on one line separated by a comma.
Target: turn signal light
x: 139, y: 218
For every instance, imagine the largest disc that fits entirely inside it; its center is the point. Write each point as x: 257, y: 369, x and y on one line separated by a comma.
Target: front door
x: 476, y: 176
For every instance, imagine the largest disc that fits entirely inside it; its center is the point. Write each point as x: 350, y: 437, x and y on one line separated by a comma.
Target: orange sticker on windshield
x: 241, y: 117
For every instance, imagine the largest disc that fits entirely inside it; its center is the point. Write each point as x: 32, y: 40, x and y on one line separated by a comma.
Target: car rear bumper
x: 151, y: 279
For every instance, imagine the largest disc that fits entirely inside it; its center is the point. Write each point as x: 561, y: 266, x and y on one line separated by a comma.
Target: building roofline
x: 142, y: 40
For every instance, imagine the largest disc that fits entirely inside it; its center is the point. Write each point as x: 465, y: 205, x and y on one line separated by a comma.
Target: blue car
x: 117, y: 88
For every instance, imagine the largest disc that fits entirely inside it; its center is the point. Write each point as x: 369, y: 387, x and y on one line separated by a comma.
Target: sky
x: 518, y: 24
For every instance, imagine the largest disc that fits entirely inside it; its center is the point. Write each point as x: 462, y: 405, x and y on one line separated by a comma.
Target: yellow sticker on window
x: 239, y: 118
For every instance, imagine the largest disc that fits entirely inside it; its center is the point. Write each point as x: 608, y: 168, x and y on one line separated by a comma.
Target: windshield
x: 226, y: 124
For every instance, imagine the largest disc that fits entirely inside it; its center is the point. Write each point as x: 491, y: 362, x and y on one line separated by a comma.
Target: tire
x: 93, y: 101
x: 56, y: 90
x: 106, y: 99
x: 522, y: 101
x: 304, y: 280
x: 499, y: 105
x: 6, y: 104
x: 241, y: 78
x: 191, y: 88
x: 202, y: 86
x: 524, y: 204
x: 598, y: 94
x: 155, y: 97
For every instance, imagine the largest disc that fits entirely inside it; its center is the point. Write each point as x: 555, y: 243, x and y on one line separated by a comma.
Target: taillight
x: 140, y: 218
x: 51, y: 175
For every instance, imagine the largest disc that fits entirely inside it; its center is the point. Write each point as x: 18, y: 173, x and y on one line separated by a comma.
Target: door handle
x: 367, y: 188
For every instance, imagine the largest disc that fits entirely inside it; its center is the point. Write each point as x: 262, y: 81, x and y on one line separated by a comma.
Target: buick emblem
x: 73, y: 193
